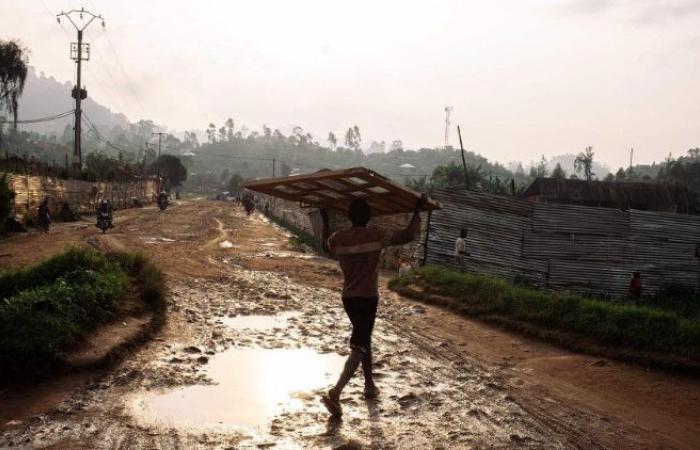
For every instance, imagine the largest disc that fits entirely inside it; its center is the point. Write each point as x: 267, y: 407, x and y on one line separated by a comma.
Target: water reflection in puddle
x: 259, y: 322
x: 254, y: 385
x: 157, y: 240
x: 227, y: 244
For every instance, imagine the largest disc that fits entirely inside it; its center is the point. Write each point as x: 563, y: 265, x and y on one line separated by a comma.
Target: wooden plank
x: 336, y: 189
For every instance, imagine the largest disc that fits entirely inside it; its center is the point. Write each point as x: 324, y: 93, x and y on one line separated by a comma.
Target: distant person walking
x: 461, y: 249
x: 358, y: 250
x: 44, y: 216
x: 635, y: 290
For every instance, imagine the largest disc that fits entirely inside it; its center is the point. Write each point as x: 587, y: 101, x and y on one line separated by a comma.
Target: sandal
x: 371, y: 392
x: 333, y: 406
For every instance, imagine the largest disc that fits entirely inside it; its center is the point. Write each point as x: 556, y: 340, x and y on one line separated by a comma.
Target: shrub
x: 48, y: 307
x: 638, y: 327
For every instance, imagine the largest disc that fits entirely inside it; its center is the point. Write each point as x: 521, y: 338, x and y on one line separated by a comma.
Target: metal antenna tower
x: 79, y: 52
x: 448, y: 110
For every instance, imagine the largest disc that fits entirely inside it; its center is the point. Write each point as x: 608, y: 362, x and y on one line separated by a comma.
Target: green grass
x: 47, y: 308
x: 300, y: 237
x: 643, y: 330
x: 148, y: 278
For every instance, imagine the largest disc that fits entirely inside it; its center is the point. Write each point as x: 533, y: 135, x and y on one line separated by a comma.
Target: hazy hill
x: 45, y: 96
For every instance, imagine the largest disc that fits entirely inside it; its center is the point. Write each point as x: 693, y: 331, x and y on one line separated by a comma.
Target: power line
x: 236, y: 157
x: 41, y: 119
x: 126, y: 77
x: 105, y: 67
x: 95, y: 131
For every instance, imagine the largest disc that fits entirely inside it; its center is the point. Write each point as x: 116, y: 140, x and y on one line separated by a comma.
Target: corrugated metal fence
x: 30, y: 190
x: 567, y: 247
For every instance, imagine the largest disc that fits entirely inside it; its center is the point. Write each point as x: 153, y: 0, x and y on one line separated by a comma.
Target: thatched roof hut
x: 614, y: 194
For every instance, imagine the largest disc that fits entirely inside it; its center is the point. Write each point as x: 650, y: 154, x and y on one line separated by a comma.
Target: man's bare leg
x: 332, y: 400
x: 371, y: 390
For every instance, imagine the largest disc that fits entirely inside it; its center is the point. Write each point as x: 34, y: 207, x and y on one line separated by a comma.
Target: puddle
x: 253, y: 386
x: 227, y: 244
x: 275, y: 254
x: 259, y: 322
x: 156, y: 240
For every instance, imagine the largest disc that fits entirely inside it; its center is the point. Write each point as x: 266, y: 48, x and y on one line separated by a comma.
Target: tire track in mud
x: 435, y: 346
x: 433, y: 395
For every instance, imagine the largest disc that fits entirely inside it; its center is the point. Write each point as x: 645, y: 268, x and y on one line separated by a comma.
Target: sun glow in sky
x: 525, y: 78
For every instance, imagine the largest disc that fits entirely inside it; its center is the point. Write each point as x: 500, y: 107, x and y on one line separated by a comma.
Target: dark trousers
x: 362, y: 312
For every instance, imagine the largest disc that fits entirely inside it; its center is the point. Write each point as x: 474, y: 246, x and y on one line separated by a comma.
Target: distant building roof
x: 615, y: 194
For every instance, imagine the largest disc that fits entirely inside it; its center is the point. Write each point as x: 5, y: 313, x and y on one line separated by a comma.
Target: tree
x: 13, y: 73
x: 332, y: 140
x: 6, y: 196
x: 229, y: 129
x: 285, y: 170
x: 620, y: 175
x: 396, y: 144
x: 234, y: 183
x: 584, y: 162
x: 353, y: 139
x: 541, y: 168
x: 418, y: 184
x: 191, y: 141
x: 222, y: 134
x: 448, y: 176
x: 211, y: 133
x: 104, y: 167
x: 558, y: 172
x: 297, y: 136
x: 149, y: 155
x: 225, y: 175
x: 171, y: 168
x: 267, y: 131
x: 451, y: 176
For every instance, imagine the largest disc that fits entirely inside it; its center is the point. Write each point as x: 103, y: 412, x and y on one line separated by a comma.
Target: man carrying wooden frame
x: 358, y: 250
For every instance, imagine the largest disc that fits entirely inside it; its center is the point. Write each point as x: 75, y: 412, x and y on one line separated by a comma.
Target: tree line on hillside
x: 233, y: 153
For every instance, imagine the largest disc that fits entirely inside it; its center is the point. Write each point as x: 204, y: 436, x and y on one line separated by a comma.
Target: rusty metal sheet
x: 336, y: 189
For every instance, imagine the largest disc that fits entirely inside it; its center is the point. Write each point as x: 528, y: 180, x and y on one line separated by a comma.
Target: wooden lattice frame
x: 335, y: 189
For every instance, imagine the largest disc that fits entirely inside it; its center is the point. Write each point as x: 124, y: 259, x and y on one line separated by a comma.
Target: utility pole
x: 464, y: 162
x: 79, y: 52
x: 160, y: 135
x: 273, y: 167
x: 2, y: 124
x: 448, y: 110
x: 631, y: 156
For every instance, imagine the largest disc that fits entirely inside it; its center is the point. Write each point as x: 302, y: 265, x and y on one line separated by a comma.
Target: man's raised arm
x: 325, y: 233
x: 409, y: 233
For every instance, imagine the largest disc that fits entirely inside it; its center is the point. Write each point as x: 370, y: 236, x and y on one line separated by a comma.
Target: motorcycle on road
x: 162, y: 203
x: 103, y: 222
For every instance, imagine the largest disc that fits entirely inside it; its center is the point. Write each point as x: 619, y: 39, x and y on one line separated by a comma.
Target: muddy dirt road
x: 256, y: 331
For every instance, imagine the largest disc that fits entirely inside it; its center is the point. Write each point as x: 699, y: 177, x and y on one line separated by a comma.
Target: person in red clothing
x: 636, y: 285
x: 358, y: 250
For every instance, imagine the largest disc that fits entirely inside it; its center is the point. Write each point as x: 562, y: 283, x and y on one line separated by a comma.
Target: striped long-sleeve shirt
x: 359, y: 250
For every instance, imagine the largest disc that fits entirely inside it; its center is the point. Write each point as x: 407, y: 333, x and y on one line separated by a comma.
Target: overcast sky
x: 525, y: 78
